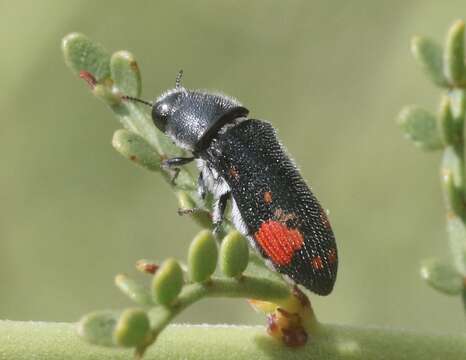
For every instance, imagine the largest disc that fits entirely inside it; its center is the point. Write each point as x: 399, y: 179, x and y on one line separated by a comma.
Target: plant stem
x: 247, y: 286
x: 58, y: 341
x: 453, y: 167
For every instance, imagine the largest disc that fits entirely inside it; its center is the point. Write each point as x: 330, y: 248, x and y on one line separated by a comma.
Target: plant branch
x: 446, y: 68
x: 58, y: 341
x: 115, y: 79
x: 245, y: 287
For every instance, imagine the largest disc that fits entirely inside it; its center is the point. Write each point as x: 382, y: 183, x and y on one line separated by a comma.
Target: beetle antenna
x: 178, y: 79
x: 124, y: 97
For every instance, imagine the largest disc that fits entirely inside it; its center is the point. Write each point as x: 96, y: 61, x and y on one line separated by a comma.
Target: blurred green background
x: 330, y: 75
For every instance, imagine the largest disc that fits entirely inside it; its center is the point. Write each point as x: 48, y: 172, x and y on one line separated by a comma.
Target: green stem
x: 245, y: 287
x: 58, y: 341
x: 453, y: 169
x: 463, y: 296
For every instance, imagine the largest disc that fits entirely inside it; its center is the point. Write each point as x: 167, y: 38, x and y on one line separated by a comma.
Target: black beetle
x: 241, y: 159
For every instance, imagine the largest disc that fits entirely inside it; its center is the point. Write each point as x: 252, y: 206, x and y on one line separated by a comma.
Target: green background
x: 330, y: 75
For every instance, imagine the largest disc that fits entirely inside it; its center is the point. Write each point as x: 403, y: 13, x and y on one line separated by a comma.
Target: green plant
x: 111, y: 77
x: 232, y: 271
x: 291, y: 318
x: 445, y: 132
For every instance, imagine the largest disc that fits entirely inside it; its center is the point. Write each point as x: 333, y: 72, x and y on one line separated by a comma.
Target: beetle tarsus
x: 177, y: 161
x: 173, y: 163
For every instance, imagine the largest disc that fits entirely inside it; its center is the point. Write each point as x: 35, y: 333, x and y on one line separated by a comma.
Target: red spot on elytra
x: 233, y: 173
x: 317, y: 263
x: 332, y: 256
x: 278, y: 241
x: 268, y: 197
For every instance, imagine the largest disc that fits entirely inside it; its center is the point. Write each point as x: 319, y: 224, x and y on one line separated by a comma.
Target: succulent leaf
x: 234, y: 254
x: 420, y: 126
x: 167, y: 282
x: 442, y: 277
x: 202, y: 256
x: 429, y: 56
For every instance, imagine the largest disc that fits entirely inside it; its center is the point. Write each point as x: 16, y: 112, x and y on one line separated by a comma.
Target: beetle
x: 241, y: 159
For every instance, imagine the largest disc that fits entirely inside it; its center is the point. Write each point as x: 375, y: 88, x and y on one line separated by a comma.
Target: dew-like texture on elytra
x: 283, y: 219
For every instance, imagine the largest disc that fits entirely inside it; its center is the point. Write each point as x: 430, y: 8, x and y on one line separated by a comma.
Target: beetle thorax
x: 191, y: 118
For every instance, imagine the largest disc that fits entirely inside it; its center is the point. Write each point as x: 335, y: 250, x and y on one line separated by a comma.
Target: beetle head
x: 192, y: 117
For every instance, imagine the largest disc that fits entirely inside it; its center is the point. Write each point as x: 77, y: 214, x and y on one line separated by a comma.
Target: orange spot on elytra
x: 268, y: 197
x: 233, y: 173
x: 332, y: 256
x: 278, y: 241
x: 317, y: 263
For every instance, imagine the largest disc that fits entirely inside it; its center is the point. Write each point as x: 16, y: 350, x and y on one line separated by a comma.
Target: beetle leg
x: 191, y: 211
x: 173, y: 164
x: 219, y: 211
x: 201, y: 187
x: 177, y: 161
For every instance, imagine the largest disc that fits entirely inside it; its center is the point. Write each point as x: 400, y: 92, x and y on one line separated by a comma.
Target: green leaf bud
x: 167, y: 282
x: 97, y: 327
x: 453, y: 194
x: 132, y: 328
x: 420, y: 126
x: 447, y: 126
x: 107, y: 94
x: 454, y: 54
x: 452, y: 163
x: 429, y: 55
x: 458, y: 105
x: 185, y: 202
x: 125, y: 73
x: 234, y: 254
x: 82, y: 54
x: 442, y: 277
x: 187, y: 205
x: 135, y: 291
x: 202, y: 256
x: 135, y: 148
x: 456, y: 235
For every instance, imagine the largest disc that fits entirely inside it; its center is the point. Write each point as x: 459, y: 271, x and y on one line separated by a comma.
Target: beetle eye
x: 160, y: 114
